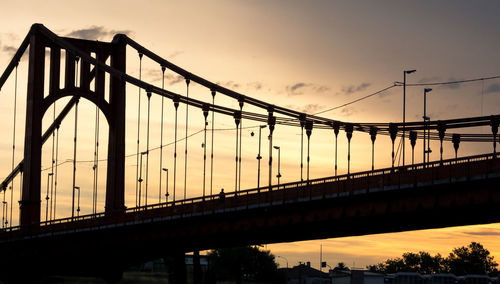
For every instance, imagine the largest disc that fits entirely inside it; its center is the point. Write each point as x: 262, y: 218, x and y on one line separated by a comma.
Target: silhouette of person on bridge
x: 222, y: 195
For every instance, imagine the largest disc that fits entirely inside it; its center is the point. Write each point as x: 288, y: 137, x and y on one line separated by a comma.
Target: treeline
x: 244, y: 264
x: 471, y: 259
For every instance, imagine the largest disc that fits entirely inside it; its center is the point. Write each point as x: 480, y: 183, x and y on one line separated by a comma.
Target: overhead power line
x: 155, y: 148
x: 359, y: 99
x: 449, y: 82
x: 400, y: 84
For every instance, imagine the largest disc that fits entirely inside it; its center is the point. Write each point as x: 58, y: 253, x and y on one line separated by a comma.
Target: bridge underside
x: 101, y: 245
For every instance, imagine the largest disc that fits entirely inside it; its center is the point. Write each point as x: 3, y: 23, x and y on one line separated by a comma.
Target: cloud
x: 151, y: 75
x: 385, y: 94
x: 429, y: 79
x: 296, y: 87
x: 10, y: 50
x: 229, y: 84
x: 300, y: 88
x: 175, y: 54
x: 347, y: 111
x: 453, y: 86
x: 493, y: 88
x: 309, y: 108
x: 8, y: 43
x: 172, y: 79
x: 437, y: 79
x: 484, y: 232
x: 255, y: 85
x: 96, y: 33
x: 321, y: 89
x: 353, y: 89
x: 155, y: 75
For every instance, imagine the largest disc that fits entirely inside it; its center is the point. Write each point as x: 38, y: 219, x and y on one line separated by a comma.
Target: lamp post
x: 279, y: 155
x: 284, y: 259
x: 140, y: 179
x: 5, y: 207
x: 47, y: 198
x: 259, y: 157
x: 78, y: 207
x: 166, y: 186
x: 426, y: 118
x: 404, y: 108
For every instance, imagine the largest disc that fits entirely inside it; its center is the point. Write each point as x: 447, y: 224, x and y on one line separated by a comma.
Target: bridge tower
x: 41, y: 38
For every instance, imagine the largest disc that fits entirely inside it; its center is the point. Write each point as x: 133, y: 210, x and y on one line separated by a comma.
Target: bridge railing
x: 393, y: 172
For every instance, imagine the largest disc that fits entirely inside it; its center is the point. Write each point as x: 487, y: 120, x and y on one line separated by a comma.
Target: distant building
x: 442, y: 278
x: 408, y: 278
x: 476, y: 279
x: 305, y: 274
x: 356, y: 277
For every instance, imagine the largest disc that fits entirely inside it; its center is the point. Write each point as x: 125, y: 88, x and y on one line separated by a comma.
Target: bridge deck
x: 447, y: 171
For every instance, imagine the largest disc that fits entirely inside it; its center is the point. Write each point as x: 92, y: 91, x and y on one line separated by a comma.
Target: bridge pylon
x: 40, y: 39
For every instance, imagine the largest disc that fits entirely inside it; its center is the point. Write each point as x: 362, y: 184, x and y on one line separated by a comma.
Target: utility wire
x: 152, y: 149
x: 359, y: 99
x: 449, y: 82
x: 400, y: 84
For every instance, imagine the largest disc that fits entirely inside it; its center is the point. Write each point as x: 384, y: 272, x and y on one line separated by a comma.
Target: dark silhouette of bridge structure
x: 431, y: 194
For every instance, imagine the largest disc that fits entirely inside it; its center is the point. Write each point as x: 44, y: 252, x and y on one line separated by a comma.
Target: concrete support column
x: 197, y: 273
x: 176, y: 264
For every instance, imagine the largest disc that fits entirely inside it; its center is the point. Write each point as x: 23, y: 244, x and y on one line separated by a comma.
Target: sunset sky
x: 306, y: 55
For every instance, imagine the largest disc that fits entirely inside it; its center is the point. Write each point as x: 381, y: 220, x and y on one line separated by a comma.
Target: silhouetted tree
x: 340, y: 266
x: 245, y: 263
x: 472, y: 259
x: 431, y: 264
x: 421, y: 262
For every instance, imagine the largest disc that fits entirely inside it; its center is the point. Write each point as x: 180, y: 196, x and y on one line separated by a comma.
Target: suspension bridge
x: 129, y: 229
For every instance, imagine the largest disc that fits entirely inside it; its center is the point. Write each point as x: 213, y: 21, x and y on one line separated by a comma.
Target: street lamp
x: 404, y: 108
x: 140, y: 179
x: 166, y: 187
x: 279, y: 174
x: 259, y: 157
x: 284, y: 259
x: 5, y: 208
x: 426, y: 118
x: 78, y: 208
x: 47, y: 198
